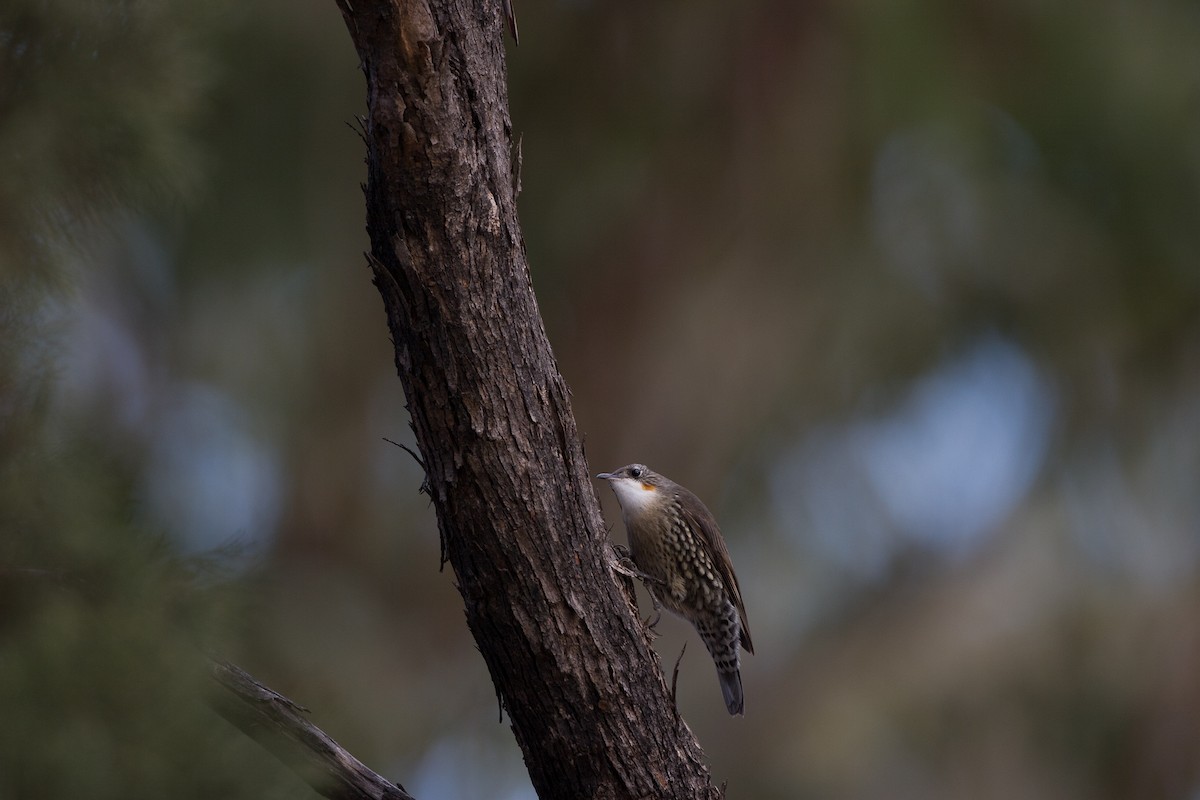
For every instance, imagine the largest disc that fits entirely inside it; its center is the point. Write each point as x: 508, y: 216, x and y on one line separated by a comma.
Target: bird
x: 675, y: 543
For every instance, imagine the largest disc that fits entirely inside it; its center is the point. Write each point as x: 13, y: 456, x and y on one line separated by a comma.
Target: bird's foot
x: 652, y: 621
x: 625, y: 566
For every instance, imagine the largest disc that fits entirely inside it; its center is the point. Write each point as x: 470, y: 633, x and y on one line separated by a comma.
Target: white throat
x: 634, y: 497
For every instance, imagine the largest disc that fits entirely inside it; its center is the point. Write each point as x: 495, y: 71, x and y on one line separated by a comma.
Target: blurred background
x: 908, y: 292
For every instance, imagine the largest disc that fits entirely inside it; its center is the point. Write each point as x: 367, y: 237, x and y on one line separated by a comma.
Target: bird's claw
x: 625, y: 566
x: 651, y: 623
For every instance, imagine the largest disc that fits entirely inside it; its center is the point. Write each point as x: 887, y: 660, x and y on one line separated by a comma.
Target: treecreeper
x: 675, y: 543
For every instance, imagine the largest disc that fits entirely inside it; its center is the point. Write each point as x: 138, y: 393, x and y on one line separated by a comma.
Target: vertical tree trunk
x: 518, y: 516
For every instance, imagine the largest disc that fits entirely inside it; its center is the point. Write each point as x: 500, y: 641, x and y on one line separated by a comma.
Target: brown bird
x: 676, y: 544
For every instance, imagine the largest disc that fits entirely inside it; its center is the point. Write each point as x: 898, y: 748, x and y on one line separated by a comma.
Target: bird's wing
x: 701, y: 519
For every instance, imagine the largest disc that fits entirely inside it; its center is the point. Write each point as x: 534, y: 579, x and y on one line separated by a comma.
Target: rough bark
x: 516, y: 510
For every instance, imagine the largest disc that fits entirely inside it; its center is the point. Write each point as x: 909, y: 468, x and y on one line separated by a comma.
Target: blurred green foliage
x: 102, y: 647
x: 908, y: 292
x: 97, y: 100
x: 104, y: 628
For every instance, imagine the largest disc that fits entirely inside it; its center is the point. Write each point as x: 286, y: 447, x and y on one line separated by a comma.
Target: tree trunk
x: 516, y: 509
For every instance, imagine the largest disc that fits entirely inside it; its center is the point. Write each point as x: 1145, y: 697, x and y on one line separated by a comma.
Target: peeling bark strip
x: 583, y: 689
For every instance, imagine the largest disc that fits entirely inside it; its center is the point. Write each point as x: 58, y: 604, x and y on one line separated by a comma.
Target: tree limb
x: 279, y: 725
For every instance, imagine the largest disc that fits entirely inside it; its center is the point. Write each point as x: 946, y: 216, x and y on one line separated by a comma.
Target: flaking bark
x: 522, y: 529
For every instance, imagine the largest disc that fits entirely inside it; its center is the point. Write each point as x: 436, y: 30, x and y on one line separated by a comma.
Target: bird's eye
x: 636, y: 472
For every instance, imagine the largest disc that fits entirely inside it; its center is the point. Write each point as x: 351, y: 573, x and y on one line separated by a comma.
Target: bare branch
x: 408, y: 450
x: 278, y: 724
x: 675, y: 674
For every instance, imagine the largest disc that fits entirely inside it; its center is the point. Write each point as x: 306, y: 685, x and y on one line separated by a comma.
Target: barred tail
x: 720, y: 633
x: 731, y: 687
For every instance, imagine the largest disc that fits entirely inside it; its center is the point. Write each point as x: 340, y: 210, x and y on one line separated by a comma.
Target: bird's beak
x: 608, y: 476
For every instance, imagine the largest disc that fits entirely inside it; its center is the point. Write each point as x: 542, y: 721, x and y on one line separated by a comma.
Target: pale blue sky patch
x: 210, y: 482
x: 963, y: 447
x: 942, y: 467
